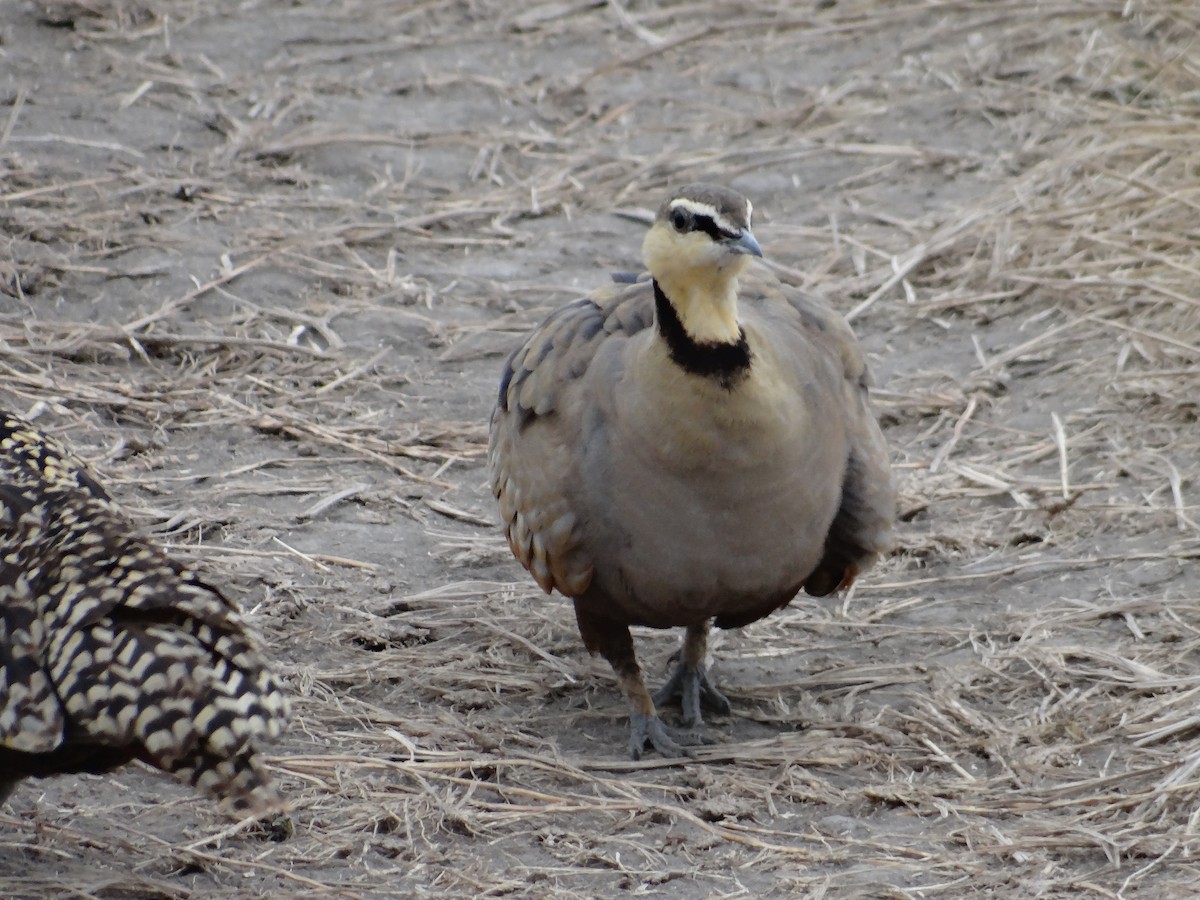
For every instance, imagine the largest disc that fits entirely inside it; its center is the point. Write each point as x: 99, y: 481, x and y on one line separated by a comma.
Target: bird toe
x: 694, y: 690
x: 649, y: 731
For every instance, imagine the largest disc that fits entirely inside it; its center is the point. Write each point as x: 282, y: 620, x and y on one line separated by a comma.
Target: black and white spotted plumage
x: 110, y: 650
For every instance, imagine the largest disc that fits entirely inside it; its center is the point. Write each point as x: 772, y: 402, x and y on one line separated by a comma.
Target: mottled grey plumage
x: 110, y: 650
x: 705, y: 471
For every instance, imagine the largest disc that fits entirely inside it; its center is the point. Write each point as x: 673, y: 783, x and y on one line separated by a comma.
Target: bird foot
x: 692, y: 687
x: 650, y: 731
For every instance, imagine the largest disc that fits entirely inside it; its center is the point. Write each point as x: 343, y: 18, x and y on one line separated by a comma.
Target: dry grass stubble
x: 1003, y: 197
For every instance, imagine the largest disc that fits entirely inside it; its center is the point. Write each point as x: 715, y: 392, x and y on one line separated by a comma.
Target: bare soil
x: 261, y: 261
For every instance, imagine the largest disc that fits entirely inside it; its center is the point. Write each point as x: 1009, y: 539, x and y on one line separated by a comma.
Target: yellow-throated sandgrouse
x: 691, y: 449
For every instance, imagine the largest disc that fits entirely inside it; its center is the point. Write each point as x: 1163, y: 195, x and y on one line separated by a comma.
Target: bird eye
x: 680, y: 220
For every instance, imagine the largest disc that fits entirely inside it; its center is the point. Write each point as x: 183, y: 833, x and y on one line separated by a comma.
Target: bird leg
x: 613, y: 641
x: 690, y: 682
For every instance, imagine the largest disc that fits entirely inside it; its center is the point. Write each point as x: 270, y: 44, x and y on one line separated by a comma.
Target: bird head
x: 700, y: 241
x: 702, y: 231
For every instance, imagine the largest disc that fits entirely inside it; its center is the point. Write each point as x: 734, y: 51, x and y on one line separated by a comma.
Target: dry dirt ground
x: 261, y: 262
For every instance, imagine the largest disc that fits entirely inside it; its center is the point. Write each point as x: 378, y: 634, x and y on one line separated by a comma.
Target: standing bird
x: 690, y: 449
x: 112, y: 651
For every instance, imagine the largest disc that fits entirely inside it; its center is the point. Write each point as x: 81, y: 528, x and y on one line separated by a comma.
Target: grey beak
x: 745, y: 243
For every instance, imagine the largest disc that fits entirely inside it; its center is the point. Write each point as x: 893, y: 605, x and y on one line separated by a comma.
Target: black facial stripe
x: 728, y: 363
x: 685, y: 218
x: 712, y: 229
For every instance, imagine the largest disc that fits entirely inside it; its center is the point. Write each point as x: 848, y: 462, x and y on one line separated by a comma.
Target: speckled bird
x: 690, y: 449
x: 110, y: 650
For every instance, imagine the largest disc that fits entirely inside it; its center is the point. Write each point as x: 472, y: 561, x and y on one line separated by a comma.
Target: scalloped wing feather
x: 540, y: 390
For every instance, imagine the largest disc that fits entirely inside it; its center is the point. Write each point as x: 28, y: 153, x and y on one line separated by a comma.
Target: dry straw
x: 1005, y: 198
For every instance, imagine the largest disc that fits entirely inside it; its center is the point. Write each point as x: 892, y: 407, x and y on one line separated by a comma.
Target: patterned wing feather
x: 539, y: 392
x: 113, y: 651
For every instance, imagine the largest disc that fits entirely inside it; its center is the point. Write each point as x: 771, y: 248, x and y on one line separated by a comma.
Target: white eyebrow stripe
x: 707, y: 209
